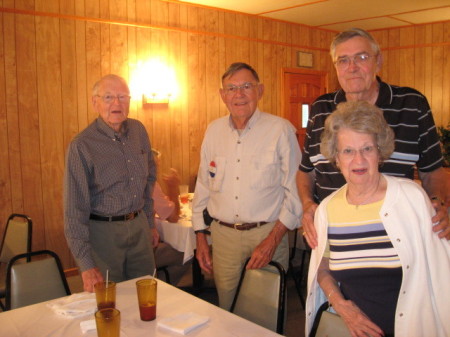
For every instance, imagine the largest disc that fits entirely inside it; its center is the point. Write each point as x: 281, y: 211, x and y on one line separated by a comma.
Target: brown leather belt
x: 241, y: 226
x: 125, y: 217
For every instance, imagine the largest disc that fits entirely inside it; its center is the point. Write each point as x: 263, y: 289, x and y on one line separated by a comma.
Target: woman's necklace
x: 370, y: 196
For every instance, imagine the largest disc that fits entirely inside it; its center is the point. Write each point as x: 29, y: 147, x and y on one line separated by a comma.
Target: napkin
x: 76, y: 305
x: 183, y: 323
x: 86, y: 326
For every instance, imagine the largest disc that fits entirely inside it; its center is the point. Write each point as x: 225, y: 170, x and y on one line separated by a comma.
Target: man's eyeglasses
x: 366, y: 151
x: 359, y: 59
x: 246, y: 88
x: 108, y: 99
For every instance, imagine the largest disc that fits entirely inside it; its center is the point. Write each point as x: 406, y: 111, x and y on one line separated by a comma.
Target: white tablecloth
x: 180, y: 236
x: 40, y: 320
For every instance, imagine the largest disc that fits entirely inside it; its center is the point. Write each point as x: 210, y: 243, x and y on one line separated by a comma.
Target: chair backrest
x: 260, y: 296
x: 39, y: 280
x: 17, y: 237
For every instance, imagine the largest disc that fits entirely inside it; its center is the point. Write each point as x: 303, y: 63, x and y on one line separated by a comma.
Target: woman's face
x: 357, y: 157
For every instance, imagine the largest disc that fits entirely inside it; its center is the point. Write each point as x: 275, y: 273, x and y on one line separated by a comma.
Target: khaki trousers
x: 230, y: 250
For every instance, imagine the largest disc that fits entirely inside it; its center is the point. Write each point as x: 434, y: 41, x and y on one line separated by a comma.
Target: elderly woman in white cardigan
x: 378, y: 262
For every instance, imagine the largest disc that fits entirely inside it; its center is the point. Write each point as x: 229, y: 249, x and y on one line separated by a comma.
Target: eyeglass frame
x: 232, y: 89
x: 356, y: 59
x: 114, y: 97
x: 365, y: 151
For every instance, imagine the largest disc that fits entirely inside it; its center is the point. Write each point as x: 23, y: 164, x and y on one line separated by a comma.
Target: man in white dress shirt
x: 246, y: 180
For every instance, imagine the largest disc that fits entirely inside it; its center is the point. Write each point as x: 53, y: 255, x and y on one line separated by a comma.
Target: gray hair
x: 349, y: 34
x: 359, y: 116
x: 235, y: 67
x: 108, y: 77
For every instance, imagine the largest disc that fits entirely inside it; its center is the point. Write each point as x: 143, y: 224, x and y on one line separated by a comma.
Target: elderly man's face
x: 241, y: 102
x: 357, y: 79
x: 113, y: 113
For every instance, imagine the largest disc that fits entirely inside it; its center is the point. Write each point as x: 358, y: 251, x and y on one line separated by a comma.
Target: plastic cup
x: 184, y: 194
x: 108, y: 322
x: 105, y: 295
x: 146, y: 292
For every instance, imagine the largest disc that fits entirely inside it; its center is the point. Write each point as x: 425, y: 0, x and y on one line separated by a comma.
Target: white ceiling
x: 338, y: 15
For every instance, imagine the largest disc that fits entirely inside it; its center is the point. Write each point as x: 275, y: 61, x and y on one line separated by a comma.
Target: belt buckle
x: 237, y: 224
x: 129, y: 216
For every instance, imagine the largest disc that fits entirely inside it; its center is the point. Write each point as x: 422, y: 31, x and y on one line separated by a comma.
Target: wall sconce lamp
x: 155, y: 82
x: 155, y: 98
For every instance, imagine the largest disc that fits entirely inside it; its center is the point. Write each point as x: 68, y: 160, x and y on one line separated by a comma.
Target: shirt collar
x: 108, y: 131
x: 384, y: 95
x: 252, y: 121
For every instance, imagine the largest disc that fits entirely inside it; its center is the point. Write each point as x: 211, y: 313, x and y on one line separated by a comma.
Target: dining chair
x: 298, y: 274
x: 39, y: 280
x: 260, y: 296
x: 16, y: 240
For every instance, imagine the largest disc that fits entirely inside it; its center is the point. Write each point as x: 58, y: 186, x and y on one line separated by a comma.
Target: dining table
x: 41, y: 320
x: 180, y: 235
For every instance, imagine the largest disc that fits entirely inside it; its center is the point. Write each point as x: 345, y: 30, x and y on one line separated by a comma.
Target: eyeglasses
x: 366, y: 151
x: 108, y: 99
x: 359, y: 59
x: 246, y: 88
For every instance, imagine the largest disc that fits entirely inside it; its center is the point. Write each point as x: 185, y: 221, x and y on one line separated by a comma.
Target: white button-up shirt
x: 249, y: 176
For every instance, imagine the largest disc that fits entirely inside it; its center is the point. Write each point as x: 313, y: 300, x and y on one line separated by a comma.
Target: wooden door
x: 301, y: 87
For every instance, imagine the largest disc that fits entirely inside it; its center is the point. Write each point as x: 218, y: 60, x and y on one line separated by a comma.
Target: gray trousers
x: 122, y: 247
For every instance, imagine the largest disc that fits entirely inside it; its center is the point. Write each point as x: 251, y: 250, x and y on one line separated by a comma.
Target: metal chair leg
x: 166, y: 273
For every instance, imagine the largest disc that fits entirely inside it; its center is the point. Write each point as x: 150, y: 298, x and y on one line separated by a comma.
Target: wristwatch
x: 204, y: 231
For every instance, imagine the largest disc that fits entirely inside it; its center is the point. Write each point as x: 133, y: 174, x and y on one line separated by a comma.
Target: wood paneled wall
x: 52, y: 52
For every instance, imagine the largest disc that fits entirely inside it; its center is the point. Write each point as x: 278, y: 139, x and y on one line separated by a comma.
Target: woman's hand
x: 357, y: 322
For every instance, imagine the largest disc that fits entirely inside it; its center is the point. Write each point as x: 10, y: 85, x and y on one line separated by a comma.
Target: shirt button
x: 236, y: 197
x: 401, y: 314
x: 386, y: 214
x: 237, y: 178
x: 398, y: 240
x: 134, y: 196
x: 239, y: 142
x: 238, y: 160
x: 129, y: 160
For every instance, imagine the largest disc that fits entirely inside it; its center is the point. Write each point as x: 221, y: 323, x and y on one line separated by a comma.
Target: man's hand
x: 203, y: 255
x: 263, y: 253
x: 90, y: 278
x: 155, y: 237
x: 309, y: 231
x: 305, y: 184
x: 437, y: 184
x: 440, y: 220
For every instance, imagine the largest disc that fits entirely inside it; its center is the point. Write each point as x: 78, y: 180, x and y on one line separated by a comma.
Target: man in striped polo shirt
x: 357, y: 58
